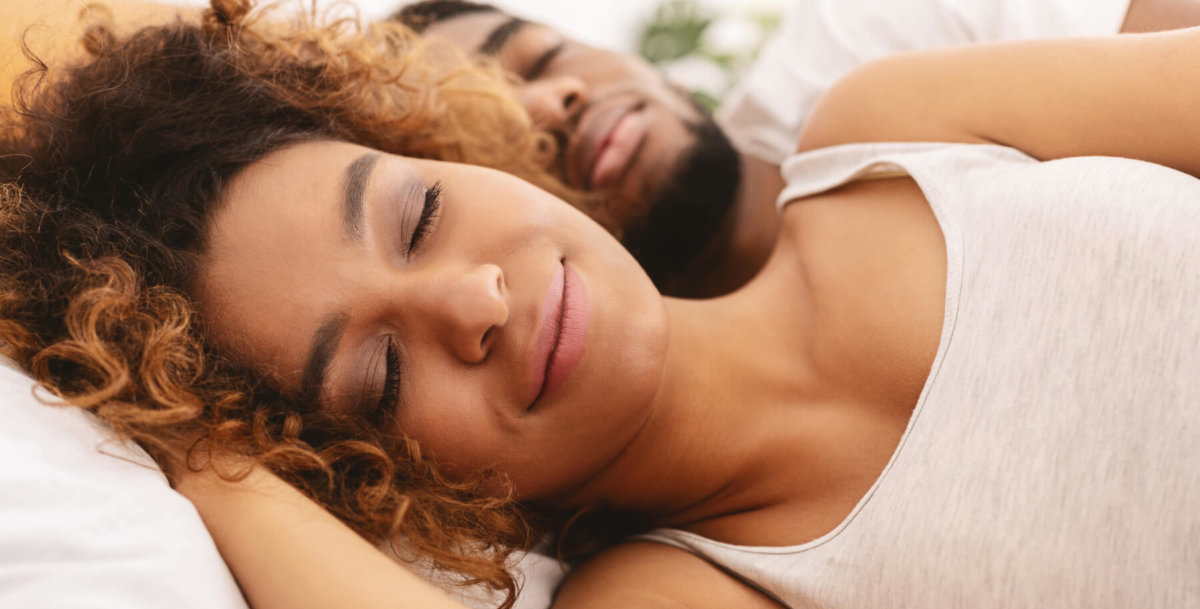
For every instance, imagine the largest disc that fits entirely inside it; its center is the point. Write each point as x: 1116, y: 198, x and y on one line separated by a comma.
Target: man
x: 696, y: 212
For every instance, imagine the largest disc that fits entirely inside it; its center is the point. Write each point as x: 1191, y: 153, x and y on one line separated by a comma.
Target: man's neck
x: 746, y: 240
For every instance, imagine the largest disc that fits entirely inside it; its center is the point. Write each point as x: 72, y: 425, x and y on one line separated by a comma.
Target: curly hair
x: 111, y: 170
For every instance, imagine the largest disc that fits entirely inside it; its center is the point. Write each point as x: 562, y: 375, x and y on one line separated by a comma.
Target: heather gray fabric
x: 1052, y: 459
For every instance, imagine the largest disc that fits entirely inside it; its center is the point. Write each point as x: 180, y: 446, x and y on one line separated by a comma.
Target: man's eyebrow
x: 320, y: 354
x: 357, y: 174
x: 498, y: 37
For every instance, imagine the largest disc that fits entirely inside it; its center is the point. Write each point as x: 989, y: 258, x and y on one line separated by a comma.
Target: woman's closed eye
x: 429, y: 215
x: 389, y: 396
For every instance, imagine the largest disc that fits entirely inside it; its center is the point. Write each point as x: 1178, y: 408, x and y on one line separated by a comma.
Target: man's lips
x: 562, y: 333
x: 604, y: 145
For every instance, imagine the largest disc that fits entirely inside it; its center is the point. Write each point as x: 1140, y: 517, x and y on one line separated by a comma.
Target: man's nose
x: 554, y: 103
x: 468, y: 308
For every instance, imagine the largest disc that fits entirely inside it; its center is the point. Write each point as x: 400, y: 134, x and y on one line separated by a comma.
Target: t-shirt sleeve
x: 820, y: 41
x: 994, y: 20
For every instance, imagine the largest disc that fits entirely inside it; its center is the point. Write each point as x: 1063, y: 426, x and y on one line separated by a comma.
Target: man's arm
x: 1131, y: 96
x: 821, y: 41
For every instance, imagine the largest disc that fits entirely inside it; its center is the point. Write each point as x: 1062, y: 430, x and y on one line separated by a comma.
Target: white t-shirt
x: 820, y: 41
x: 1051, y: 459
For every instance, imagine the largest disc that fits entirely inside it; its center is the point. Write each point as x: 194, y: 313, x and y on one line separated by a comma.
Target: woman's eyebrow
x: 325, y: 340
x: 320, y: 354
x: 355, y: 180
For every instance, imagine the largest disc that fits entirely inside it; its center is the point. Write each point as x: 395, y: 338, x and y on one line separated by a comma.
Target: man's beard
x: 691, y: 209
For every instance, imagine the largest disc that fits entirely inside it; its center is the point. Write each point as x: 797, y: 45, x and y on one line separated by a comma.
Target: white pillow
x: 89, y: 522
x: 541, y: 575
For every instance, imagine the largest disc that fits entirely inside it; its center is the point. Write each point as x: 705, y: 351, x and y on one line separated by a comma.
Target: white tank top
x: 1053, y: 458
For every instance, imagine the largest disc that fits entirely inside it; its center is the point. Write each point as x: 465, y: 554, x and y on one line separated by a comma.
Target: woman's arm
x: 646, y: 575
x: 288, y: 553
x: 1132, y: 96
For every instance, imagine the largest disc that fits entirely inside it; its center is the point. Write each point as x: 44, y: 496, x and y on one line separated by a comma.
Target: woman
x: 959, y: 361
x: 94, y: 274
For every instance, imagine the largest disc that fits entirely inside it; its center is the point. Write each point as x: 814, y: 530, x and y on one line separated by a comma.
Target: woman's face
x: 457, y: 305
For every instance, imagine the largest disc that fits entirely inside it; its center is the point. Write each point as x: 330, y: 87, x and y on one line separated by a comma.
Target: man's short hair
x: 418, y: 16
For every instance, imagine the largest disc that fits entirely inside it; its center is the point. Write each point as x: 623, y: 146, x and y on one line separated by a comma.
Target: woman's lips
x: 562, y: 335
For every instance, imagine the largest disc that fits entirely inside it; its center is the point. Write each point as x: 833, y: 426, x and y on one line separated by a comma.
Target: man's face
x: 664, y: 171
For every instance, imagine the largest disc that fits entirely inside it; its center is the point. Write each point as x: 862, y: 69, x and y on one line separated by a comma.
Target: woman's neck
x: 736, y: 381
x: 780, y: 404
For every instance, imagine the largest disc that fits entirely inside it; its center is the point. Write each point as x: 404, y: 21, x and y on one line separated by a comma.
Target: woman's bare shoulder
x: 646, y: 575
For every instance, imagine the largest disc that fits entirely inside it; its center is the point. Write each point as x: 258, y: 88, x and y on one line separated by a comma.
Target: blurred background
x: 701, y: 44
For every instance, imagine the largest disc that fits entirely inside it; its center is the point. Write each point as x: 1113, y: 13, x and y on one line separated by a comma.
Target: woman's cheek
x: 452, y: 429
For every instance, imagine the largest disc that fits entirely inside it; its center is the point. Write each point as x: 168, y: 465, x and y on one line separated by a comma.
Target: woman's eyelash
x: 390, y: 397
x: 433, y: 202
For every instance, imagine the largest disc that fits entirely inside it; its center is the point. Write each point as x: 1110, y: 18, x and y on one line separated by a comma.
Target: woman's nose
x: 469, y: 307
x: 554, y: 103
